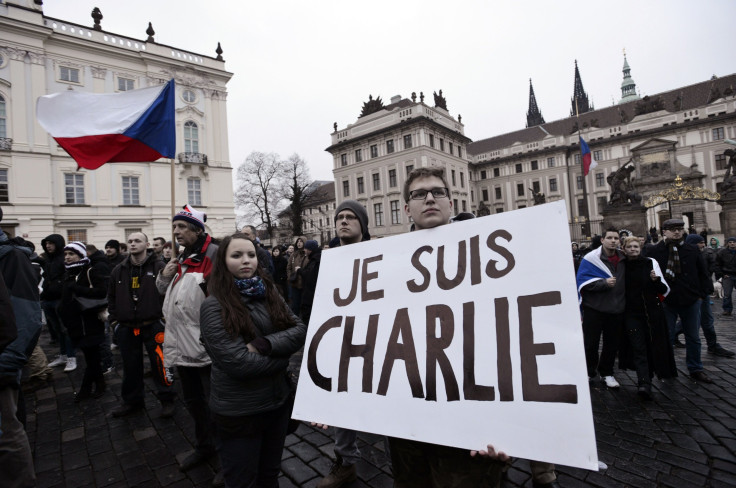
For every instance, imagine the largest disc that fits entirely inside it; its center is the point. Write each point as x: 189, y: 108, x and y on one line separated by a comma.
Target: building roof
x: 676, y: 100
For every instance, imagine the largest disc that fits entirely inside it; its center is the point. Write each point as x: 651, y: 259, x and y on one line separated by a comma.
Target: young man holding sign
x: 419, y: 464
x: 351, y: 226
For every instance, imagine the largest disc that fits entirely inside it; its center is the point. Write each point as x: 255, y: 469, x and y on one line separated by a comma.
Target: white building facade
x: 42, y: 191
x: 373, y: 156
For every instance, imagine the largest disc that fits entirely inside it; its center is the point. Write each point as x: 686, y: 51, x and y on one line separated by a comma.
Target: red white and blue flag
x: 99, y: 128
x: 588, y: 161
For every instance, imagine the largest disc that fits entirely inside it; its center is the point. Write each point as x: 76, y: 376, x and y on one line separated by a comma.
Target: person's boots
x: 100, y: 387
x: 85, y: 391
x: 340, y: 475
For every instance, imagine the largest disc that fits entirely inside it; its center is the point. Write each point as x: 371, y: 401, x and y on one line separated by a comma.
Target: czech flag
x: 99, y: 128
x: 588, y: 161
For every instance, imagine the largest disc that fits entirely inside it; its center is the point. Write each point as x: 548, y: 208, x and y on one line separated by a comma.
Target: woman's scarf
x: 82, y: 262
x: 251, y: 287
x: 673, y: 260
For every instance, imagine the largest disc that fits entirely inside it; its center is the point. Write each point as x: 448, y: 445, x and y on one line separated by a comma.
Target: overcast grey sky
x: 299, y: 66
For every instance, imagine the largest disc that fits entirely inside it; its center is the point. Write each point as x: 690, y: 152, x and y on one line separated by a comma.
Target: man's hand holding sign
x: 460, y: 335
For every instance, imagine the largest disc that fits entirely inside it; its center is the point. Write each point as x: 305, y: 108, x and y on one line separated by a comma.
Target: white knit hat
x: 77, y: 247
x: 191, y: 215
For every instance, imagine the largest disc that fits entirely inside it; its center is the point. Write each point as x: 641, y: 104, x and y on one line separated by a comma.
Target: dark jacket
x: 246, y: 383
x: 709, y: 255
x: 309, y: 274
x: 725, y: 263
x: 83, y: 327
x: 133, y: 309
x: 601, y: 297
x: 264, y: 259
x: 692, y: 283
x: 119, y: 258
x: 20, y: 280
x: 53, y: 268
x: 279, y: 269
x: 8, y: 329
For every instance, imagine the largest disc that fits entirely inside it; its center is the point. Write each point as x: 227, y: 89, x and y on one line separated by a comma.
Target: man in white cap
x: 184, y: 280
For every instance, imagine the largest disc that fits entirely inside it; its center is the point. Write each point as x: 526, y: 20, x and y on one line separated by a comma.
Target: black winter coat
x: 309, y: 274
x: 145, y: 306
x: 693, y: 281
x: 83, y: 327
x: 243, y: 382
x: 53, y: 268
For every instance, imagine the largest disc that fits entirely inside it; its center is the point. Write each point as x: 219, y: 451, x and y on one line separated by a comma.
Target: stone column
x: 728, y: 214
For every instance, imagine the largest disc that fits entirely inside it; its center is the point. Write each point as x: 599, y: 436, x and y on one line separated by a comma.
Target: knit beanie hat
x: 694, y: 239
x: 191, y: 215
x: 312, y: 245
x: 357, y: 209
x: 78, y: 248
x: 731, y: 239
x: 114, y: 244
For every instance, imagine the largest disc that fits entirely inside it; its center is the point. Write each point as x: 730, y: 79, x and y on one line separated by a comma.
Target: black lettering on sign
x: 442, y: 280
x: 471, y: 390
x: 404, y: 351
x: 531, y: 390
x: 503, y: 351
x: 475, y: 260
x: 350, y: 350
x: 366, y: 295
x: 436, y: 352
x: 491, y: 269
x: 317, y: 377
x: 342, y: 302
x: 412, y: 285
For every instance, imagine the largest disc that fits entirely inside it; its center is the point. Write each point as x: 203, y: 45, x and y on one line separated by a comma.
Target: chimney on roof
x: 396, y: 99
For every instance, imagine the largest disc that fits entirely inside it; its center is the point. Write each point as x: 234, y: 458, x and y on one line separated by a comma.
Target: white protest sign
x: 473, y: 337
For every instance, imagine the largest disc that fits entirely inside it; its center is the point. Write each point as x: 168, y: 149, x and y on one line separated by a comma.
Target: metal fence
x: 582, y: 232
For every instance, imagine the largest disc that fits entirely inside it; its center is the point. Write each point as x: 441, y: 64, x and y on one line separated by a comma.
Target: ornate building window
x: 452, y: 173
x: 343, y: 159
x: 535, y: 165
x: 376, y: 181
x: 550, y: 162
x: 431, y: 141
x: 70, y: 75
x: 76, y: 235
x: 407, y: 141
x: 389, y: 146
x: 462, y: 180
x: 599, y: 180
x: 498, y: 192
x: 191, y: 137
x: 520, y: 189
x: 496, y: 172
x: 718, y: 134
x: 3, y: 118
x: 74, y: 188
x: 395, y: 212
x: 374, y: 151
x: 130, y: 190
x: 125, y: 84
x: 189, y: 96
x: 194, y: 191
x: 483, y: 175
x: 485, y: 195
x: 378, y: 213
x: 346, y: 188
x: 358, y: 155
x: 721, y: 162
x: 576, y: 158
x: 519, y: 168
x: 392, y: 178
x: 598, y: 155
x: 361, y: 185
x: 4, y: 194
x: 553, y: 184
x: 579, y: 182
x: 409, y: 169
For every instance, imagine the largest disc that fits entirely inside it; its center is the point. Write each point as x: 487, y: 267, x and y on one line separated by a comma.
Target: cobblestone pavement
x: 685, y: 437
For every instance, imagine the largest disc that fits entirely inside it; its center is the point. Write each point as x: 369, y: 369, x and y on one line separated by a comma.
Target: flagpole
x: 174, y: 246
x: 586, y: 210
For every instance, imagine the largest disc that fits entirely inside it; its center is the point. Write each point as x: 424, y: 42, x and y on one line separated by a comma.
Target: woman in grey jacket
x: 250, y: 333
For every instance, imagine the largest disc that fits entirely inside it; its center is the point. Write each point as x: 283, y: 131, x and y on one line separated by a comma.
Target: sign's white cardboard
x: 487, y: 349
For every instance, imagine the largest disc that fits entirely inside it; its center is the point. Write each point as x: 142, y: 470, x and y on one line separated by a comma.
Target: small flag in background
x: 99, y: 128
x: 588, y: 161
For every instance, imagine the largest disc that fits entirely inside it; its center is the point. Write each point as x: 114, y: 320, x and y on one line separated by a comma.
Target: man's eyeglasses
x: 422, y: 194
x: 348, y: 216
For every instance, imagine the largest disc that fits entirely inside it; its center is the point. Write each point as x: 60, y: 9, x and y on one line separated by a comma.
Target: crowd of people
x: 227, y: 319
x: 640, y: 294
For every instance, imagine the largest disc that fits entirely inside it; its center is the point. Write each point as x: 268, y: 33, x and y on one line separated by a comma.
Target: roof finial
x: 97, y: 17
x: 219, y: 52
x: 150, y: 33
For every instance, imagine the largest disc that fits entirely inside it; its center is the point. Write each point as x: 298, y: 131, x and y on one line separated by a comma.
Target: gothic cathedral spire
x: 533, y: 115
x: 580, y: 103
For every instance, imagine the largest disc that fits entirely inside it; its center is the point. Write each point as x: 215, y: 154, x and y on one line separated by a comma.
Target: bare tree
x: 258, y: 194
x: 296, y: 183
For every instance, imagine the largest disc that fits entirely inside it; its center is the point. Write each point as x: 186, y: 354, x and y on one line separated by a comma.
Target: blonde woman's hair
x: 631, y: 239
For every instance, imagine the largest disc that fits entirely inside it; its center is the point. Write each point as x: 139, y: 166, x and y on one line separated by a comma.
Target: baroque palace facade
x: 42, y: 191
x: 681, y: 132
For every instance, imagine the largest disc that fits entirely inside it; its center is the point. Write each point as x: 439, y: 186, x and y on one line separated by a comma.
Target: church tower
x: 533, y: 115
x: 628, y: 87
x: 580, y: 103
